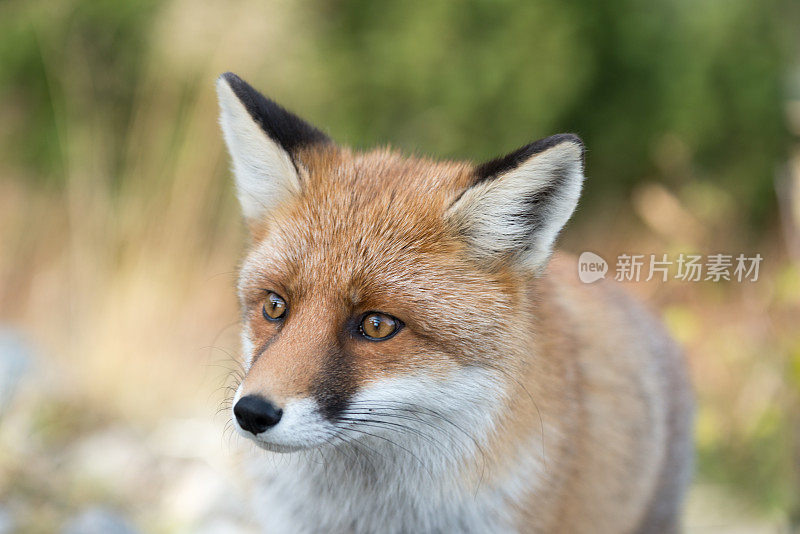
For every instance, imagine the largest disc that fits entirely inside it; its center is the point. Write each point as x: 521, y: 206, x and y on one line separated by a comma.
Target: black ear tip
x: 569, y: 138
x: 282, y: 126
x: 232, y: 80
x: 554, y: 140
x: 505, y: 163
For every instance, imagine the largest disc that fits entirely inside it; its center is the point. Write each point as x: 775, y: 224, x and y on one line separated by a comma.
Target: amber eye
x: 379, y: 326
x: 274, y: 307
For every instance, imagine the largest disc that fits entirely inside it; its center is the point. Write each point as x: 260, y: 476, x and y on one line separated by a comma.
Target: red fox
x: 416, y: 361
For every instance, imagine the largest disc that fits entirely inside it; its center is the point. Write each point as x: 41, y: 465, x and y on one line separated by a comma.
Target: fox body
x: 417, y: 360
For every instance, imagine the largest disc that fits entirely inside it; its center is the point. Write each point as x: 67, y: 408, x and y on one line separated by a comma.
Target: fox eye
x: 274, y: 307
x: 379, y: 326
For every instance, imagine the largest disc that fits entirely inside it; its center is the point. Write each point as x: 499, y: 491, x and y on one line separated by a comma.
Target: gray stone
x: 7, y: 522
x: 98, y: 521
x: 16, y: 358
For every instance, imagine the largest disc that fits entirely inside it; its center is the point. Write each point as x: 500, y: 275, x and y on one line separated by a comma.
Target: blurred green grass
x: 119, y: 234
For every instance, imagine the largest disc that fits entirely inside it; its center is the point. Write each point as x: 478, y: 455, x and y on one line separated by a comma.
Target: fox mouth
x: 272, y: 445
x: 276, y: 447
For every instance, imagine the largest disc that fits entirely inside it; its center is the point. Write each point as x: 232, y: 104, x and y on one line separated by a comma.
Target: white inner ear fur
x: 496, y: 215
x: 264, y: 172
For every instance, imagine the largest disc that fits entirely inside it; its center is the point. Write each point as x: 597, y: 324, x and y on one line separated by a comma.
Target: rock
x: 98, y: 521
x: 198, y: 493
x: 15, y: 360
x: 116, y: 458
x: 7, y: 523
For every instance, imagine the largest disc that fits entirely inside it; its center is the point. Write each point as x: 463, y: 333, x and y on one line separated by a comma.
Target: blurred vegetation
x: 116, y: 212
x: 628, y: 75
x: 468, y: 80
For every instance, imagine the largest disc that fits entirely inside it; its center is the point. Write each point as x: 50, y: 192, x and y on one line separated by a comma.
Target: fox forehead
x: 359, y: 216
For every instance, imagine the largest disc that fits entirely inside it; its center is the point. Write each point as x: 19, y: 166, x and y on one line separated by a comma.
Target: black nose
x: 256, y: 414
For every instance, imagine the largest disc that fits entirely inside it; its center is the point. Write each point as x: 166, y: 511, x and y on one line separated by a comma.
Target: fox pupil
x: 274, y: 307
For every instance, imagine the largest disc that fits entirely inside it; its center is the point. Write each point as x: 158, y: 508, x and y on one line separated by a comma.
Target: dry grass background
x: 118, y: 284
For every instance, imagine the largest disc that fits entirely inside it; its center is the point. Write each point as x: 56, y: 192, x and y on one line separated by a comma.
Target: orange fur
x: 579, y: 404
x: 589, y: 371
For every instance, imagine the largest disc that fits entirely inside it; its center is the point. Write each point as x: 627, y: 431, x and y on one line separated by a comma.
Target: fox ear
x: 519, y: 202
x: 262, y: 139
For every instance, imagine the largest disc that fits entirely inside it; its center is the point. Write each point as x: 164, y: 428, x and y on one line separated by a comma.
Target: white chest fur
x: 379, y: 490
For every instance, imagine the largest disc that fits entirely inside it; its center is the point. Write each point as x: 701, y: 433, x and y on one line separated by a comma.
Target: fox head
x: 381, y: 289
